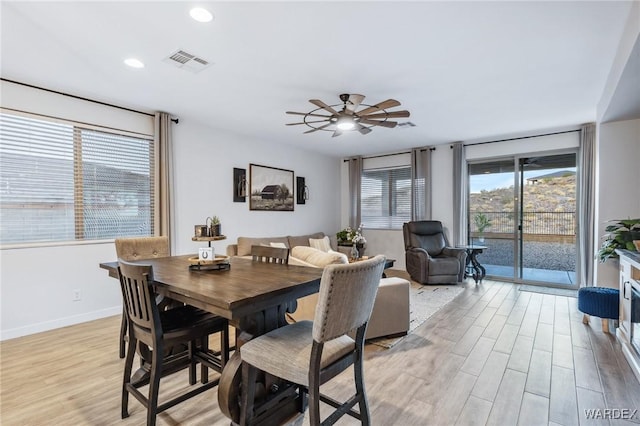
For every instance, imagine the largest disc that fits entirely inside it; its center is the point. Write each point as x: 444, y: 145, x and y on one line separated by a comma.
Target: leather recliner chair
x: 429, y: 259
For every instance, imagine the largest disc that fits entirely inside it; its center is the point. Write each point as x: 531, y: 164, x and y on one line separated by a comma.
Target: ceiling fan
x: 346, y: 116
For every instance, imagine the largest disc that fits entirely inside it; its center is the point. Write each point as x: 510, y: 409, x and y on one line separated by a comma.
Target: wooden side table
x: 473, y: 268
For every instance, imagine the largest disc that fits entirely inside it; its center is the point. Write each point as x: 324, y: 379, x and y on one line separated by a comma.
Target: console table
x: 628, y: 332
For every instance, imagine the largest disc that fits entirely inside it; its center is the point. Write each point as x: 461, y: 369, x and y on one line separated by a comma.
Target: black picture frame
x: 271, y: 188
x: 239, y: 185
x: 300, y: 189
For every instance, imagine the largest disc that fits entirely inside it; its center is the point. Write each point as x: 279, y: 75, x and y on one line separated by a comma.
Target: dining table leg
x: 229, y: 389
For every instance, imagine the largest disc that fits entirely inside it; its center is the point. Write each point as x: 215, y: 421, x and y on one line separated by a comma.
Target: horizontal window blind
x: 62, y: 182
x: 386, y: 197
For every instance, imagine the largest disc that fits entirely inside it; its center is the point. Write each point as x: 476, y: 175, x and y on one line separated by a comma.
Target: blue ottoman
x: 601, y: 302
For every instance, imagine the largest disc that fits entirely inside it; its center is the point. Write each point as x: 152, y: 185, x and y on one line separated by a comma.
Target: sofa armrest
x: 232, y: 250
x: 417, y: 263
x: 418, y: 252
x: 460, y: 253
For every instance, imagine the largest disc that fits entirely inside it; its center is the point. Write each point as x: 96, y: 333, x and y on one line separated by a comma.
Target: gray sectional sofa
x: 390, y: 316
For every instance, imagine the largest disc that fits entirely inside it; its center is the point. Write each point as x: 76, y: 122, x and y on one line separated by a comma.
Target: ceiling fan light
x: 345, y: 123
x: 201, y: 14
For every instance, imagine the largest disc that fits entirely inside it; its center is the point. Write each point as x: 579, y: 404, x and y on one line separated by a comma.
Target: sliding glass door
x: 523, y: 210
x: 492, y: 212
x: 547, y: 229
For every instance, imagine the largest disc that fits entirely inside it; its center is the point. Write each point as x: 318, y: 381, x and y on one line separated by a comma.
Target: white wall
x: 618, y: 184
x: 37, y: 284
x: 204, y: 182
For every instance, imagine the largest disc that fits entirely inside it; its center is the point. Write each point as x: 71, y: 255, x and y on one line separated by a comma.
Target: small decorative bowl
x: 637, y: 244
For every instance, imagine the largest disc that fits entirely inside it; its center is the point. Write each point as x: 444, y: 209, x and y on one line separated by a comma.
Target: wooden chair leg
x: 128, y: 365
x: 204, y: 370
x: 123, y: 333
x: 585, y: 319
x: 154, y: 384
x: 605, y: 325
x: 361, y: 393
x: 224, y: 345
x: 249, y: 376
x: 314, y: 401
x: 191, y: 347
x: 303, y: 400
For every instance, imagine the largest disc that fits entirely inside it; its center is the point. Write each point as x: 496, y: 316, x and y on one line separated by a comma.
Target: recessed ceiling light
x: 134, y: 63
x: 200, y: 14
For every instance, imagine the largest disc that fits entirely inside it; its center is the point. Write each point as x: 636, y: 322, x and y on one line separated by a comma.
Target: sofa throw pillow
x: 317, y: 257
x: 321, y: 244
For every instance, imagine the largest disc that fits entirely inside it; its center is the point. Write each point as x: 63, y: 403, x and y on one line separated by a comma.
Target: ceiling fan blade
x: 389, y: 103
x: 309, y: 114
x: 324, y: 106
x: 317, y: 128
x: 363, y: 130
x: 305, y: 122
x: 390, y: 124
x: 383, y: 115
x: 353, y: 103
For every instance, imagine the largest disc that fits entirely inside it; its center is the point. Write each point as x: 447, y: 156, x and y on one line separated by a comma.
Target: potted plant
x: 619, y: 234
x: 482, y: 222
x: 215, y: 227
x: 344, y: 236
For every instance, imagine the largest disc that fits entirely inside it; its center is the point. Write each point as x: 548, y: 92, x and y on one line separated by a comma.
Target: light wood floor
x: 495, y: 355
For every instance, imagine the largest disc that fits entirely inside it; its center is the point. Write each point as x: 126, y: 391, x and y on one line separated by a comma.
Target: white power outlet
x: 76, y: 295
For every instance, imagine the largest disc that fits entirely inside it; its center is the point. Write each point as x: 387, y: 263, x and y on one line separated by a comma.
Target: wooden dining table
x: 254, y: 296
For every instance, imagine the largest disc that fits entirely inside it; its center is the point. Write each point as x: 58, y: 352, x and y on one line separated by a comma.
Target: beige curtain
x: 459, y: 233
x: 355, y: 177
x: 163, y: 203
x: 421, y: 183
x: 585, y: 220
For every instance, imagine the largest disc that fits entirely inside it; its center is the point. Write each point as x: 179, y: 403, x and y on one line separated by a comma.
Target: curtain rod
x: 522, y: 137
x: 389, y: 155
x: 175, y: 120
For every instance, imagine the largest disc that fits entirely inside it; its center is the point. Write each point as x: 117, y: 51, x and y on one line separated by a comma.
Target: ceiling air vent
x: 187, y: 61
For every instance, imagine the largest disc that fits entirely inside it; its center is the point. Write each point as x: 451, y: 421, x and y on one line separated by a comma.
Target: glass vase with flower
x: 352, y: 237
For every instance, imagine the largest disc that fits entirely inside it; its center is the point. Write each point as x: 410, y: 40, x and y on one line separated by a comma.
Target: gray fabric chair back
x: 346, y: 297
x: 426, y: 234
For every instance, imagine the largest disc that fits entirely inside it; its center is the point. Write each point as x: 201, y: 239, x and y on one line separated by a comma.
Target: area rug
x: 424, y: 301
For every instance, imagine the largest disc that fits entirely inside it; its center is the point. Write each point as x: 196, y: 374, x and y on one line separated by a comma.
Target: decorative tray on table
x: 221, y: 262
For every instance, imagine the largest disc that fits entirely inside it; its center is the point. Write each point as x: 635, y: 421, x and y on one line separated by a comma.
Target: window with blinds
x: 63, y: 182
x: 386, y: 198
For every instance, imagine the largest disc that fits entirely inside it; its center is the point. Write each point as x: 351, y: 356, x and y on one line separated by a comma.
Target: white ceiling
x: 465, y: 70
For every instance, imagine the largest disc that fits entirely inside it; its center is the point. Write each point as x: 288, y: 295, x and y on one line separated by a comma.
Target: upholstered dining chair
x: 137, y: 248
x: 429, y: 258
x: 270, y: 254
x: 159, y: 330
x: 308, y: 354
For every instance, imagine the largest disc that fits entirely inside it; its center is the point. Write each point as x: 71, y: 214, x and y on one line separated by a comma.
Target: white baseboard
x: 59, y: 323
